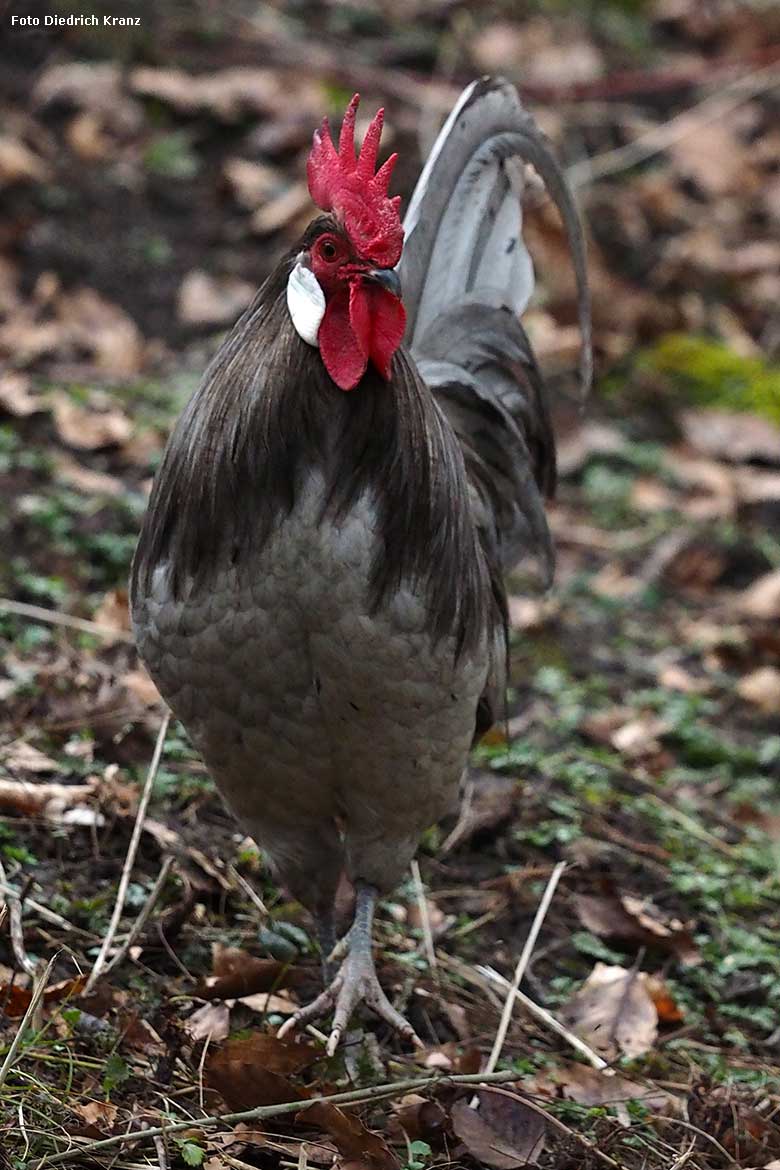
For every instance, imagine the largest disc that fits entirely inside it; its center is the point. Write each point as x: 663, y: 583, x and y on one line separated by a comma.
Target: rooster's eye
x: 328, y: 250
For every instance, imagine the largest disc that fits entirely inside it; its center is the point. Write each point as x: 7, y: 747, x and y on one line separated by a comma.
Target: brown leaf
x: 633, y: 920
x: 733, y: 436
x: 614, y: 1012
x: 590, y: 1086
x: 489, y: 801
x: 285, y: 209
x: 97, y: 87
x: 212, y: 300
x: 360, y: 1148
x: 503, y: 1133
x: 210, y: 1022
x: 99, y: 1114
x: 253, y: 1070
x: 226, y: 94
x: 15, y: 1000
x: 762, y: 599
x: 420, y: 1118
x: 20, y: 756
x: 18, y: 164
x: 252, y: 183
x: 762, y: 688
x: 236, y: 974
x: 114, y: 611
x: 85, y: 479
x: 104, y: 330
x: 16, y: 398
x: 140, y: 685
x: 89, y: 430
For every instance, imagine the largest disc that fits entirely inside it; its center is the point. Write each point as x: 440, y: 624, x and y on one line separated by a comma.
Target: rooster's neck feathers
x: 264, y: 416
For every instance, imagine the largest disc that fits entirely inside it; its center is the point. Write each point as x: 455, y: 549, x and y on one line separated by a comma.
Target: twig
x: 32, y: 1007
x: 425, y: 919
x: 15, y: 928
x: 545, y: 1017
x: 729, y: 98
x: 353, y: 1097
x: 522, y: 963
x: 124, y: 880
x: 44, y: 912
x: 248, y: 889
x: 143, y: 917
x: 730, y: 1160
x: 556, y: 1123
x: 54, y: 617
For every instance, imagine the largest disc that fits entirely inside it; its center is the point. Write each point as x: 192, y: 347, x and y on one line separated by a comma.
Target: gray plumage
x: 317, y: 589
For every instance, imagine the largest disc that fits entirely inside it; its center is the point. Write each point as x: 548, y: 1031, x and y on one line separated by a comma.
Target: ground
x: 642, y: 741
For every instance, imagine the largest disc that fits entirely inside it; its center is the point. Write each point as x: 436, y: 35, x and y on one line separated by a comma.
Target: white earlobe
x: 306, y: 303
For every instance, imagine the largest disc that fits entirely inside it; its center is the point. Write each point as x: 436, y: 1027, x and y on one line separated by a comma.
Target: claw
x: 356, y: 982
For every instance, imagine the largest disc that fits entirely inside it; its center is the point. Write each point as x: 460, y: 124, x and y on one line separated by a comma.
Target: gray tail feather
x: 467, y: 276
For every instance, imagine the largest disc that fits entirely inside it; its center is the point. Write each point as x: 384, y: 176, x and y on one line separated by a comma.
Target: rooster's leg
x: 356, y: 981
x: 326, y: 937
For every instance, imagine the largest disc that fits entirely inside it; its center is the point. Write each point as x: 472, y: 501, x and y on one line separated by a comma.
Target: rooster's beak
x: 388, y: 278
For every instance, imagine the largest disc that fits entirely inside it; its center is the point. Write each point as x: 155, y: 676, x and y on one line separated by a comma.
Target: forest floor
x: 642, y: 746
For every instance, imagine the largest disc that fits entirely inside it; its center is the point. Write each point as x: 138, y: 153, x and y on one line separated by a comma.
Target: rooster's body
x: 318, y: 586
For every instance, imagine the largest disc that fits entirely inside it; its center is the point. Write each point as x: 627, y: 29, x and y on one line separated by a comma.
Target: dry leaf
x: 16, y: 398
x: 94, y: 483
x: 100, y: 1114
x: 252, y: 183
x: 212, y: 300
x: 614, y: 1012
x: 502, y: 1133
x: 253, y: 1070
x: 762, y: 688
x: 139, y: 684
x: 360, y: 1149
x: 89, y: 430
x: 237, y: 974
x: 56, y: 802
x: 210, y: 1022
x: 282, y: 210
x: 733, y: 436
x: 634, y: 920
x: 226, y: 94
x: 19, y: 164
x: 762, y: 599
x: 104, y: 330
x: 489, y: 801
x: 97, y: 87
x: 114, y: 612
x: 21, y: 756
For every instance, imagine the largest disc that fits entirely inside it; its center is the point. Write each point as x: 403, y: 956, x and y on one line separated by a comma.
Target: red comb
x: 346, y: 184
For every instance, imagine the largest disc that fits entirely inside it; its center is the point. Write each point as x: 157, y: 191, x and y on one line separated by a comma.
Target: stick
x: 54, y: 617
x: 32, y: 1007
x: 522, y: 963
x: 143, y: 917
x: 124, y: 880
x: 353, y: 1097
x: 425, y: 920
x: 545, y: 1017
x: 15, y: 928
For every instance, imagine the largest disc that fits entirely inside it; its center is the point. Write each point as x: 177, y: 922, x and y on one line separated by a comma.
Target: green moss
x: 711, y: 374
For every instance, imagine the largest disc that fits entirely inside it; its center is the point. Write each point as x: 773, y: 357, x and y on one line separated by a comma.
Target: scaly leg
x: 326, y: 937
x: 356, y: 981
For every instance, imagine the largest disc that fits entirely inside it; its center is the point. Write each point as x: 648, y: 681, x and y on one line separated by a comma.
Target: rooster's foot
x: 356, y: 982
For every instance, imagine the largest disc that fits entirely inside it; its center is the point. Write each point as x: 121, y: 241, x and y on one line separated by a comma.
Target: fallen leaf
x: 52, y: 801
x: 103, y: 330
x: 420, y: 1118
x: 16, y: 398
x: 614, y: 1012
x: 634, y: 920
x: 253, y: 1070
x: 733, y: 436
x: 590, y: 1086
x: 268, y: 1003
x: 20, y: 756
x: 100, y: 1114
x: 489, y: 801
x: 212, y: 300
x: 89, y: 430
x: 227, y: 94
x: 93, y: 483
x: 762, y: 688
x: 360, y: 1148
x: 98, y: 87
x: 282, y: 210
x: 139, y: 684
x: 15, y: 1000
x: 252, y: 183
x: 210, y: 1022
x: 502, y: 1133
x: 236, y: 974
x: 114, y: 612
x: 19, y: 164
x: 762, y: 599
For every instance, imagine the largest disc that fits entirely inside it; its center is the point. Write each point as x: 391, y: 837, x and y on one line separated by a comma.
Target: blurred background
x: 150, y: 177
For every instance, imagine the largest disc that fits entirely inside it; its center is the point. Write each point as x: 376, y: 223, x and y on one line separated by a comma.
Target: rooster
x: 317, y: 589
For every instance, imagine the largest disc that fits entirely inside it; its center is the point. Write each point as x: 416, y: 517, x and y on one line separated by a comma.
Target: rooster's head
x: 343, y: 293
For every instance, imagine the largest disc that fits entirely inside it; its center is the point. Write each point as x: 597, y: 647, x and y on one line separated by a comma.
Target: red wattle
x: 364, y: 323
